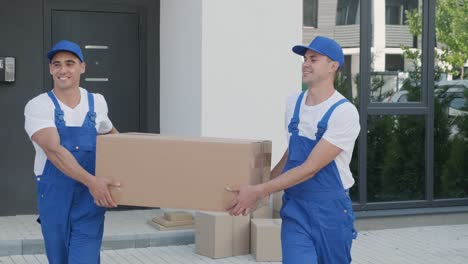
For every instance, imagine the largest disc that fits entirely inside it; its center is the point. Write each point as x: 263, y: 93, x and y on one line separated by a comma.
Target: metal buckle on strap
x: 59, y: 116
x: 293, y: 124
x: 321, y: 128
x: 91, y: 118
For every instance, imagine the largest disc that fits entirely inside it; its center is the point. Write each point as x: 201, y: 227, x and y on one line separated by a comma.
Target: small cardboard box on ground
x: 178, y: 216
x: 266, y: 239
x: 179, y: 172
x: 220, y: 235
x: 173, y: 221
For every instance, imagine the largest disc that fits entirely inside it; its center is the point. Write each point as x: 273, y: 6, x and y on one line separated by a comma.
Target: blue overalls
x: 317, y: 215
x: 72, y: 225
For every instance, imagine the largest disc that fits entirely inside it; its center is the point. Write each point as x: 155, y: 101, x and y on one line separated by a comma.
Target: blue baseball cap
x: 325, y: 46
x: 68, y: 46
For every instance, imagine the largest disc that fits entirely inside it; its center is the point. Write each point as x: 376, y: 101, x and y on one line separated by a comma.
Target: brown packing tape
x: 266, y: 174
x: 260, y: 175
x: 267, y: 150
x: 263, y: 155
x: 259, y: 160
x: 262, y: 160
x: 257, y: 174
x: 267, y: 160
x: 267, y: 146
x: 262, y: 163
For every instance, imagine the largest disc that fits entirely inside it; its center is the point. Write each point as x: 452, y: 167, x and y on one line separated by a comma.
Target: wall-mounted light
x: 7, y: 69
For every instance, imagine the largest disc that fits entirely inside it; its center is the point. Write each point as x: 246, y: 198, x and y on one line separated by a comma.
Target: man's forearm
x: 322, y: 154
x: 67, y: 164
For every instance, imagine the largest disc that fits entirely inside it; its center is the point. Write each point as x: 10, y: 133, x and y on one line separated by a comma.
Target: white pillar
x: 227, y: 67
x: 379, y: 35
x: 180, y: 67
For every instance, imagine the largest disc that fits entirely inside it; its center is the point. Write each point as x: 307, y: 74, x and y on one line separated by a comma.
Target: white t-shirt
x: 342, y: 130
x: 39, y: 113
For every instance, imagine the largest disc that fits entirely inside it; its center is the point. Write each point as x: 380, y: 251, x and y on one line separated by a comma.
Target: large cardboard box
x: 266, y: 239
x: 178, y: 172
x: 220, y: 235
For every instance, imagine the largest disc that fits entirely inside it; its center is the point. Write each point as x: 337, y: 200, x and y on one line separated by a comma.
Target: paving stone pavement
x: 443, y: 244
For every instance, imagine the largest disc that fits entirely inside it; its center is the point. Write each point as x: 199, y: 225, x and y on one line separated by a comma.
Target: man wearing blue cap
x: 63, y: 124
x: 317, y: 215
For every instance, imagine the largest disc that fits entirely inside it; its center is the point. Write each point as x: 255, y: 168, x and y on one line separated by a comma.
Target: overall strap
x: 91, y: 116
x: 322, y: 124
x: 59, y: 120
x: 292, y: 127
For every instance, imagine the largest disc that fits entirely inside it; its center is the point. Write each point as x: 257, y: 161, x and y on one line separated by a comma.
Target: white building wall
x: 238, y: 76
x: 180, y: 68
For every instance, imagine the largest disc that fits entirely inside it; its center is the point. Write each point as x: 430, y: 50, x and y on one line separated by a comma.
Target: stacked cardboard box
x: 266, y: 239
x: 220, y: 235
x: 179, y: 172
x: 173, y: 221
x: 178, y: 216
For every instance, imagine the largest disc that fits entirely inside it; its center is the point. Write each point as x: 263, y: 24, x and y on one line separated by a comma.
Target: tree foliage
x: 451, y: 32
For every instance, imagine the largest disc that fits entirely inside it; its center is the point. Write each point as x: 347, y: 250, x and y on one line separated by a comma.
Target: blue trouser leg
x: 72, y: 225
x: 55, y: 243
x: 53, y: 202
x: 297, y: 246
x: 86, y: 229
x: 296, y: 241
x: 335, y: 230
x: 317, y: 232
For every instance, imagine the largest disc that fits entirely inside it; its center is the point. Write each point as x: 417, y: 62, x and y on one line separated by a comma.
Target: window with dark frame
x: 310, y: 12
x: 347, y: 12
x: 394, y: 62
x: 395, y: 11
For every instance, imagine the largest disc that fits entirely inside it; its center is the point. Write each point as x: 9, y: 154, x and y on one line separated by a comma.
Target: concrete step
x: 122, y: 229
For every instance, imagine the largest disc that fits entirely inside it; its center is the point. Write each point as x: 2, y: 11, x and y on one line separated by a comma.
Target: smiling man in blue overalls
x: 63, y: 125
x: 318, y: 219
